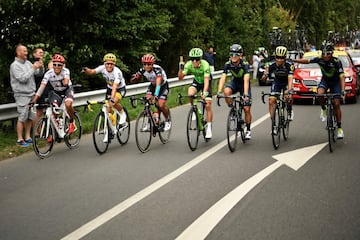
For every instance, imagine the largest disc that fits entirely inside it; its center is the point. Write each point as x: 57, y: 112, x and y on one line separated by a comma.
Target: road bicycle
x: 196, y: 120
x: 280, y: 119
x: 107, y: 125
x: 149, y: 122
x: 331, y: 123
x: 53, y: 126
x: 235, y: 121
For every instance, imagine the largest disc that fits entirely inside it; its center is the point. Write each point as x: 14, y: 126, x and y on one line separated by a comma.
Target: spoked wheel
x: 331, y: 128
x: 101, y: 132
x: 143, y: 132
x: 43, y: 137
x: 241, y: 125
x: 123, y: 130
x: 232, y: 128
x: 72, y: 140
x: 275, y: 128
x: 286, y: 124
x: 192, y: 129
x: 164, y: 135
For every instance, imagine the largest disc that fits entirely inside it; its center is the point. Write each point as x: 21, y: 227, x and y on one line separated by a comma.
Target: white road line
x: 116, y: 210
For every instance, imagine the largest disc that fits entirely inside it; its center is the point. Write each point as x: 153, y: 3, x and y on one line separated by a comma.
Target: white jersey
x: 57, y: 80
x: 115, y: 76
x: 151, y: 76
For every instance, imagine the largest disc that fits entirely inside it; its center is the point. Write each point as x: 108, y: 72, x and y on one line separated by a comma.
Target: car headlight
x: 297, y: 81
x: 348, y: 79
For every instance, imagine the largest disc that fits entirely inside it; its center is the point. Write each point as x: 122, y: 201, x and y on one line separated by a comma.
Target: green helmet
x: 195, y: 53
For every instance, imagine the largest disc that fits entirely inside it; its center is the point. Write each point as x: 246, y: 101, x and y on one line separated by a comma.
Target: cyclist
x: 159, y: 87
x: 281, y: 70
x: 59, y: 79
x: 200, y: 68
x: 240, y: 71
x: 115, y: 84
x: 333, y: 79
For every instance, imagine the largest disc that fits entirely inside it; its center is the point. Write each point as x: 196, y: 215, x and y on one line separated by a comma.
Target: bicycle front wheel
x: 275, y: 127
x: 164, y: 135
x: 330, y: 127
x: 143, y: 131
x: 101, y: 132
x: 232, y: 128
x: 72, y: 140
x: 286, y: 124
x: 43, y: 137
x: 192, y: 129
x: 123, y: 130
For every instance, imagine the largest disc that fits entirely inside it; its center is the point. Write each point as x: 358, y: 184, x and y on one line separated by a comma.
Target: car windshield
x: 355, y: 56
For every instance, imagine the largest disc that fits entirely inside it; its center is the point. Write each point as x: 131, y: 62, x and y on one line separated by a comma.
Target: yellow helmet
x: 109, y: 57
x: 281, y: 51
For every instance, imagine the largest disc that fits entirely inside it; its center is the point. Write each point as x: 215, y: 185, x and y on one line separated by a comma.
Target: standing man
x: 333, y: 78
x: 209, y: 56
x: 23, y: 85
x: 202, y: 82
x: 255, y: 63
x: 240, y: 71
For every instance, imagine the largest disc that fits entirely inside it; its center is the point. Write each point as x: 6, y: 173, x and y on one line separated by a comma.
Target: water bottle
x: 60, y: 123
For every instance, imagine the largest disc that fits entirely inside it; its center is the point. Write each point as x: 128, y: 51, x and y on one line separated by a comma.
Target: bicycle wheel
x: 275, y: 127
x: 72, y: 140
x: 285, y: 124
x: 232, y: 128
x: 100, y: 133
x: 192, y: 129
x: 123, y: 130
x: 241, y: 124
x: 43, y: 137
x: 143, y: 131
x: 330, y: 127
x: 164, y: 135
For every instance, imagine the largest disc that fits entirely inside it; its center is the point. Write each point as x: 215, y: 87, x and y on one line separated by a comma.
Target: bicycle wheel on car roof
x: 43, y: 137
x: 101, y: 133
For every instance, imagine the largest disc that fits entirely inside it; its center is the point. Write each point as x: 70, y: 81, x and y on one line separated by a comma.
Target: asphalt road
x: 300, y: 191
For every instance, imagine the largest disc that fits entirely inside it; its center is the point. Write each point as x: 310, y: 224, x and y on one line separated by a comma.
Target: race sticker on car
x: 314, y: 89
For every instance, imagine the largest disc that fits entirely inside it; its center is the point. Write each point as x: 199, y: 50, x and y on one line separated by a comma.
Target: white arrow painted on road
x: 207, y: 221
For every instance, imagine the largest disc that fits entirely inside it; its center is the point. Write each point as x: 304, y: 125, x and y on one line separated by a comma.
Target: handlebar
x: 180, y: 96
x: 234, y: 97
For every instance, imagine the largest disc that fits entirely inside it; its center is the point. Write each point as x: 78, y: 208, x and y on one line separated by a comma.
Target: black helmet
x: 327, y: 47
x: 236, y: 48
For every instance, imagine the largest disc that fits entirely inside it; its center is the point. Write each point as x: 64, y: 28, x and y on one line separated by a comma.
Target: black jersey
x: 280, y: 73
x: 237, y: 71
x: 331, y: 70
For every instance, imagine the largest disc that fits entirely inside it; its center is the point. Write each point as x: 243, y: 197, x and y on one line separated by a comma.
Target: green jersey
x: 199, y: 73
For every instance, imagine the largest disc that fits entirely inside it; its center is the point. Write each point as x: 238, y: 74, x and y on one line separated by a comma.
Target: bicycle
x: 280, y: 119
x: 54, y: 127
x: 196, y: 120
x: 148, y: 123
x: 331, y: 123
x: 107, y: 125
x: 235, y: 122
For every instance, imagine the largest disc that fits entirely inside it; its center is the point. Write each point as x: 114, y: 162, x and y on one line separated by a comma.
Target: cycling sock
x: 339, y: 124
x: 323, y: 107
x: 248, y: 126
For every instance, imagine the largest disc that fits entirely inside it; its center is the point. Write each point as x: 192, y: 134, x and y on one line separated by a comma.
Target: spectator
x: 209, y: 56
x: 255, y: 63
x: 23, y: 85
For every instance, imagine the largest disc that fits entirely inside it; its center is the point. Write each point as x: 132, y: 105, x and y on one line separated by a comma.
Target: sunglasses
x: 57, y: 65
x: 147, y: 64
x: 195, y: 59
x: 110, y: 64
x: 280, y: 57
x: 326, y: 53
x: 234, y: 54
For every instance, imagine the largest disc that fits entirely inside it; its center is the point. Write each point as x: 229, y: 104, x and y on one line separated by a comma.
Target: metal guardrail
x: 8, y: 111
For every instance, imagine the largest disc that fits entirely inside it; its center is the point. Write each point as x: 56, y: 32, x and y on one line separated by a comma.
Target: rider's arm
x: 290, y: 81
x: 221, y: 82
x: 246, y: 84
x: 114, y: 90
x: 206, y: 85
x: 158, y: 85
x: 183, y: 72
x: 302, y: 60
x: 89, y: 71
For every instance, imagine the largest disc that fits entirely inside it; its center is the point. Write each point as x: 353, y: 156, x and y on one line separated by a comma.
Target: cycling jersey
x: 199, y: 73
x: 331, y: 70
x: 115, y: 76
x: 57, y: 80
x: 238, y: 72
x: 157, y: 71
x: 280, y: 73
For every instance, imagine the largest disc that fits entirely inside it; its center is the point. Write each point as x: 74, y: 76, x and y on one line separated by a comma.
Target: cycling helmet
x: 236, y: 48
x: 109, y: 57
x: 195, y: 53
x: 148, y: 58
x: 327, y: 47
x: 281, y: 51
x: 58, y: 58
